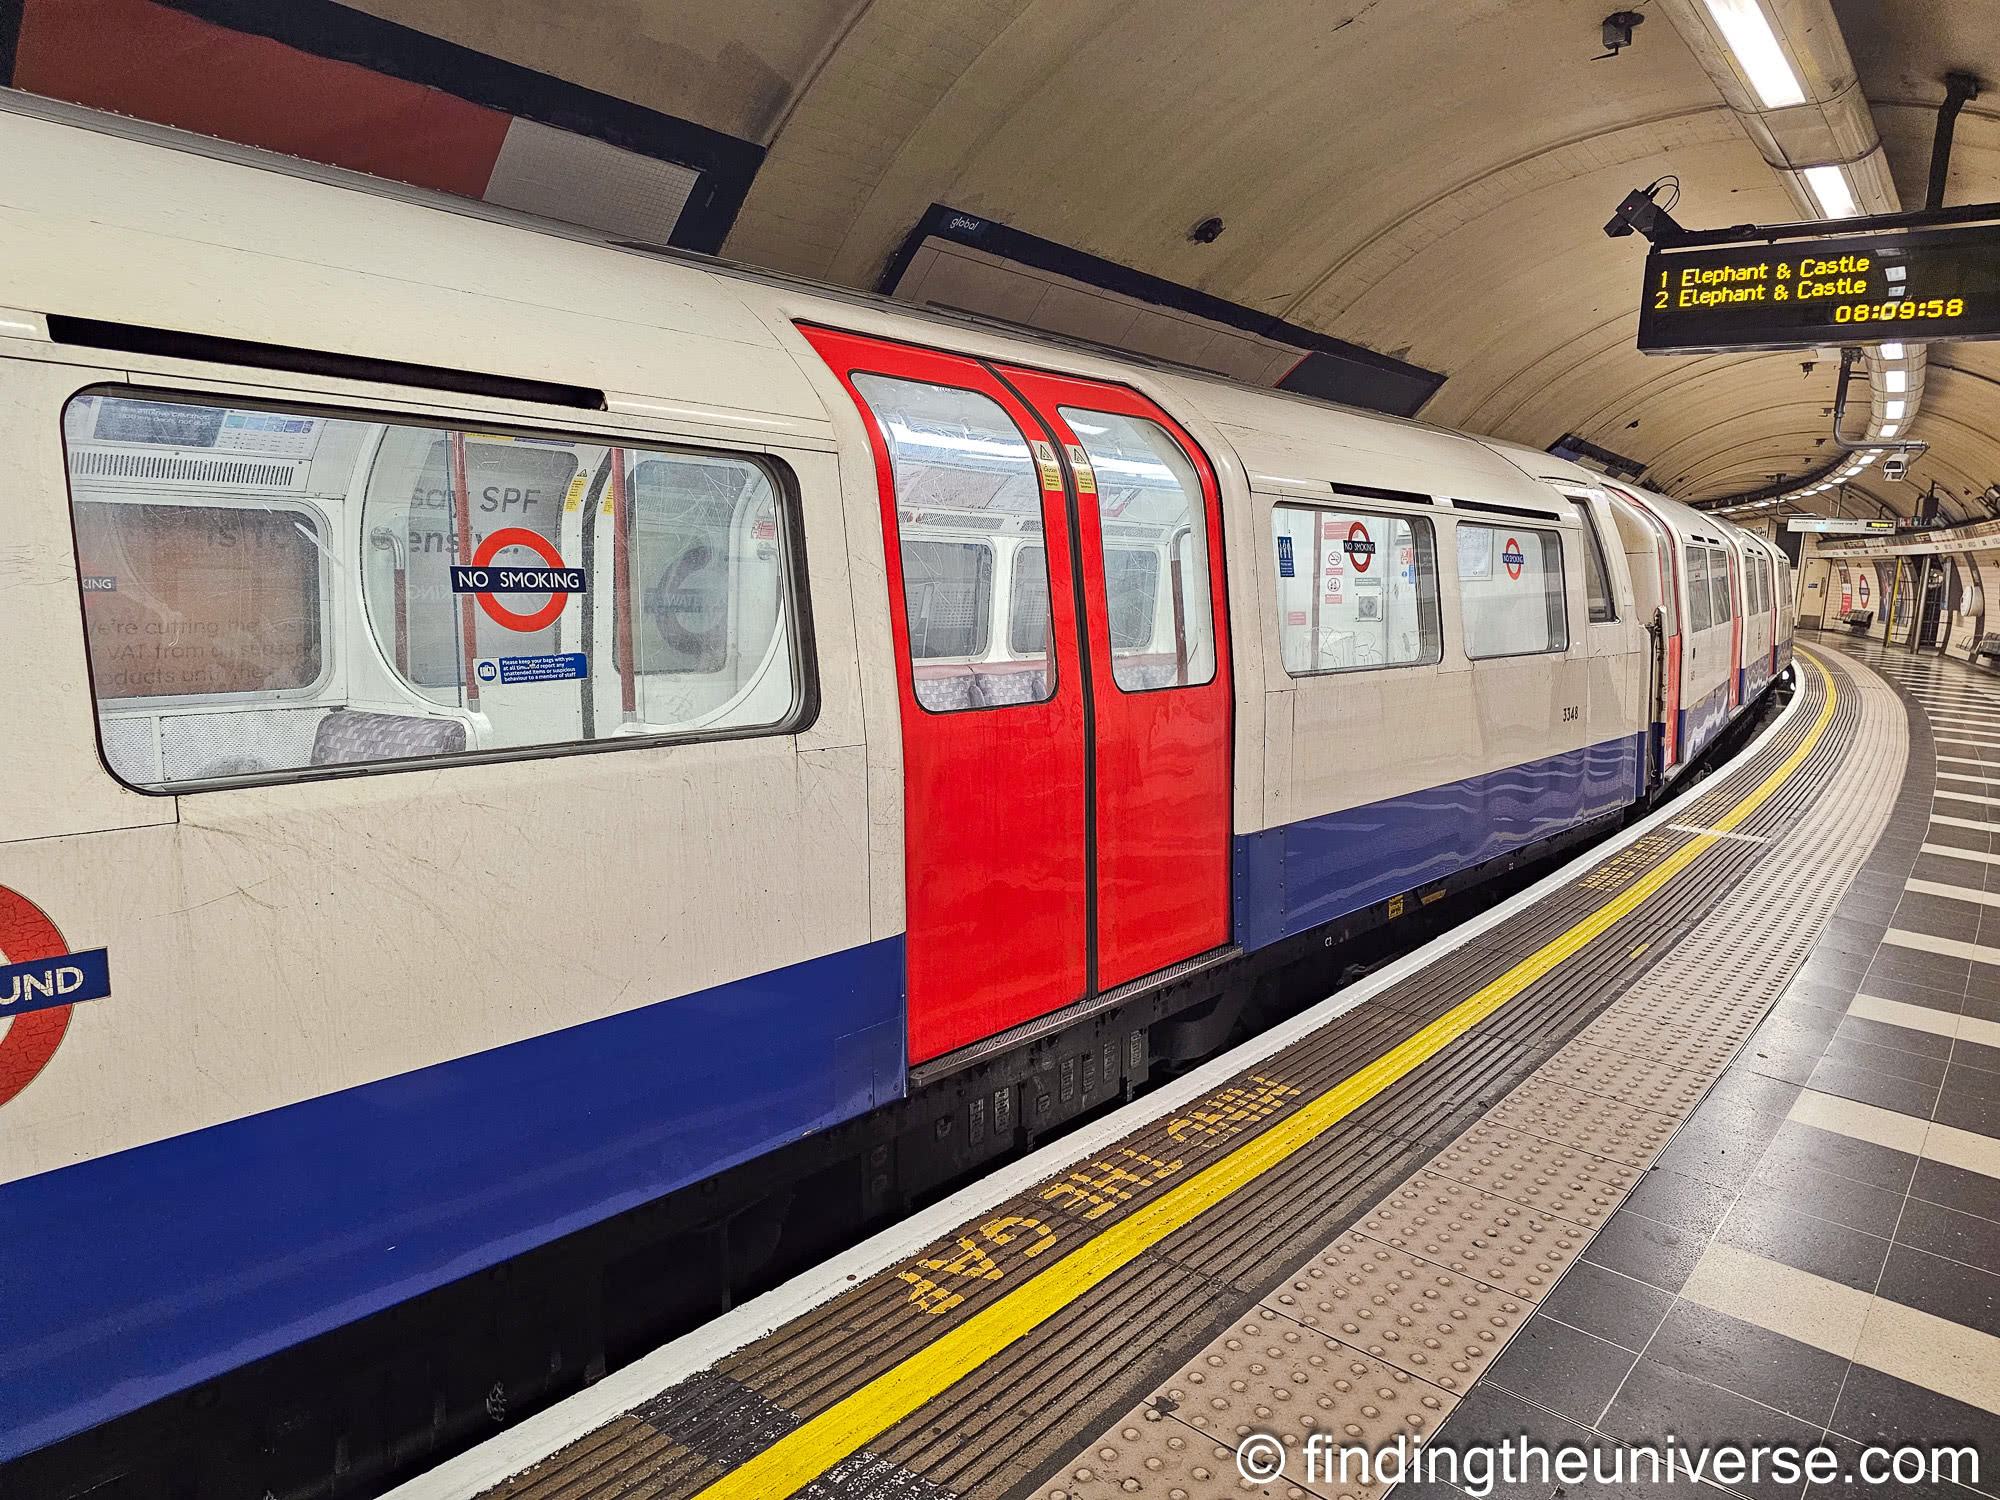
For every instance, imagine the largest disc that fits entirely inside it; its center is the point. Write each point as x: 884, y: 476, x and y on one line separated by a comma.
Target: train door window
x: 1355, y: 590
x: 1154, y: 522
x: 216, y: 543
x: 1511, y: 590
x: 964, y: 477
x: 1596, y: 574
x: 1724, y: 608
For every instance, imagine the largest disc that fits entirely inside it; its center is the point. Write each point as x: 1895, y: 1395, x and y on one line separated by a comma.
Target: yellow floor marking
x: 854, y: 1421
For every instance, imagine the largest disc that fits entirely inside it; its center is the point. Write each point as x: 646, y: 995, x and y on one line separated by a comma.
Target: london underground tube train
x: 524, y: 753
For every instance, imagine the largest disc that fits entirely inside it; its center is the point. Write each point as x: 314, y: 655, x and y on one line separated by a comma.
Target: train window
x: 1700, y: 610
x: 628, y: 593
x: 964, y: 480
x: 411, y: 509
x: 1028, y: 603
x: 1718, y: 580
x: 948, y: 588
x: 1355, y: 590
x: 1596, y: 575
x: 1154, y: 521
x: 1511, y: 590
x: 192, y: 601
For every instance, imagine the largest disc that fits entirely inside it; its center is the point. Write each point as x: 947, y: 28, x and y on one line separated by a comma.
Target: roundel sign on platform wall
x: 1513, y: 557
x: 1359, y: 546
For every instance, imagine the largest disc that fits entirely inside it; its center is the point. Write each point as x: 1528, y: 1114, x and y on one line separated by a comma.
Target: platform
x: 1700, y: 1135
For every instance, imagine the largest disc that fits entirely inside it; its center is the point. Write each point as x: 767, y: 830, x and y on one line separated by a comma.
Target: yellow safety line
x: 808, y: 1451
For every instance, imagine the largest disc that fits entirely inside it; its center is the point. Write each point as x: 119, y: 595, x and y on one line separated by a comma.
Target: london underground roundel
x: 1513, y: 557
x: 482, y: 564
x: 30, y: 1037
x: 1359, y: 546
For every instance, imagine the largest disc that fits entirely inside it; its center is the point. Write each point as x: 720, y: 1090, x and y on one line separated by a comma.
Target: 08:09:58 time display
x: 1890, y: 312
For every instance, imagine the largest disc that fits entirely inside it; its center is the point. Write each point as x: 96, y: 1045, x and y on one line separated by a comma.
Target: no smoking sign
x: 485, y: 580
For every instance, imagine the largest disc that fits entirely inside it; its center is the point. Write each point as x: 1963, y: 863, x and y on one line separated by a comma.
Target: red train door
x: 1148, y: 524
x: 975, y: 525
x: 1065, y: 740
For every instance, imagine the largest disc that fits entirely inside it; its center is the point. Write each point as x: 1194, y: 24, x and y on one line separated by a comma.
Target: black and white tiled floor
x: 1816, y: 1256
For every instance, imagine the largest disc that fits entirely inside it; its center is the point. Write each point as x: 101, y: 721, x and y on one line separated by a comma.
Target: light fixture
x: 1890, y: 351
x: 1759, y: 53
x: 1895, y: 381
x: 1892, y: 411
x: 1891, y: 430
x: 1831, y: 192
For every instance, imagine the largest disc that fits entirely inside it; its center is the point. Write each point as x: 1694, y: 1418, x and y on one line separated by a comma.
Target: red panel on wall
x: 157, y: 64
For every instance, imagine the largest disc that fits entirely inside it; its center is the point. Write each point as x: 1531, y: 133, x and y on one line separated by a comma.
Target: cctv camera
x: 1895, y: 466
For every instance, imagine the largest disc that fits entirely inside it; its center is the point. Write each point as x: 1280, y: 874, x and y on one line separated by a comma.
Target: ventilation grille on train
x: 101, y: 463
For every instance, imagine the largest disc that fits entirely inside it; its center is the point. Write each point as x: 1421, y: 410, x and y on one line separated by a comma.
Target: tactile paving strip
x: 1021, y: 1411
x: 1648, y: 1083
x: 1439, y: 1325
x: 1493, y: 1239
x: 1596, y: 1123
x: 1564, y: 1181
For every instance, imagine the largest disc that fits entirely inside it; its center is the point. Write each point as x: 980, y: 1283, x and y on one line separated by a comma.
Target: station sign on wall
x: 1827, y: 290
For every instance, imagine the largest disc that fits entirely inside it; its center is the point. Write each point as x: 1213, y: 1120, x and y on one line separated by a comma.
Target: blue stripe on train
x: 134, y: 1275
x: 1293, y: 878
x: 1702, y: 722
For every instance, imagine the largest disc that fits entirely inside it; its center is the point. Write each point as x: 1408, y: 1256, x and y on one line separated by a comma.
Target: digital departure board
x: 1811, y: 293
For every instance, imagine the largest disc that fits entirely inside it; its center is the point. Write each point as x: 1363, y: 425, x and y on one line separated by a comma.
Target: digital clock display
x: 1803, y: 294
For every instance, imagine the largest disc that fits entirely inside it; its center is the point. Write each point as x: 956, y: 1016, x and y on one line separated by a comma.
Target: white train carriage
x: 967, y: 693
x: 1712, y: 599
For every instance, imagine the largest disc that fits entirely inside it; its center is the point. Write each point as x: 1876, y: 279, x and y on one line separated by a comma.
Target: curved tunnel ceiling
x: 1423, y: 179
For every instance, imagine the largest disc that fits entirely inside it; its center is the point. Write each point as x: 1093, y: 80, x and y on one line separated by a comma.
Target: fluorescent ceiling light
x: 1759, y: 53
x: 1895, y: 381
x: 1893, y: 410
x: 1891, y: 351
x: 1831, y: 192
x: 1891, y: 430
